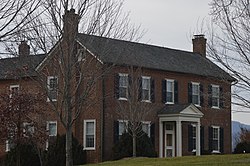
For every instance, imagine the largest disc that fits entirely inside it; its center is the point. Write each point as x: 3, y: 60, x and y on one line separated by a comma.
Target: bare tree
x: 135, y: 109
x: 74, y: 71
x: 14, y: 15
x: 21, y: 119
x: 229, y: 44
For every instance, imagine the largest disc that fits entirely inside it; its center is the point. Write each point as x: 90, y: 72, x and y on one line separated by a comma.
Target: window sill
x: 197, y: 105
x: 123, y: 99
x: 146, y: 101
x: 53, y: 100
x: 217, y: 108
x: 89, y: 148
x: 216, y: 152
x: 169, y: 103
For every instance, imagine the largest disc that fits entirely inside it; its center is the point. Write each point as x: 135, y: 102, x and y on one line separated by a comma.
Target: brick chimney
x: 70, y: 23
x: 199, y: 44
x: 23, y: 49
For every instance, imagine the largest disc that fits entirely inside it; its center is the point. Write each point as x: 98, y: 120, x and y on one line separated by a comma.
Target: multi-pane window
x: 216, y: 139
x: 28, y: 129
x: 9, y: 144
x: 194, y: 137
x: 215, y: 96
x: 52, y: 128
x: 13, y: 90
x: 81, y: 55
x: 146, y: 89
x: 196, y: 94
x: 122, y: 127
x: 89, y: 134
x: 146, y: 128
x: 170, y: 91
x: 52, y: 88
x: 123, y: 86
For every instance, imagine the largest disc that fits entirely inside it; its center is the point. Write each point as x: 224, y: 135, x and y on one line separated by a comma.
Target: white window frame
x: 47, y: 127
x: 48, y: 83
x: 172, y: 81
x: 7, y: 146
x: 196, y: 84
x: 149, y: 126
x: 194, y: 142
x: 126, y: 126
x: 216, y: 127
x: 81, y: 54
x: 84, y: 134
x: 218, y: 97
x: 123, y: 75
x: 149, y: 90
x: 12, y: 87
x: 31, y: 126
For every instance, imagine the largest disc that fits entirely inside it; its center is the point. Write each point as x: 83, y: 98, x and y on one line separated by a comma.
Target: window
x: 8, y: 145
x: 81, y: 55
x: 146, y: 89
x: 196, y: 94
x: 52, y: 88
x: 170, y: 91
x: 215, y: 96
x: 14, y: 90
x: 89, y: 134
x: 28, y: 129
x: 215, y: 139
x: 122, y: 127
x: 123, y: 86
x: 194, y: 138
x: 52, y: 128
x: 146, y: 128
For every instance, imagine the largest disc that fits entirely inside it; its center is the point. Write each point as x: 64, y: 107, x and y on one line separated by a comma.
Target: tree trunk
x: 69, y: 153
x: 134, y: 145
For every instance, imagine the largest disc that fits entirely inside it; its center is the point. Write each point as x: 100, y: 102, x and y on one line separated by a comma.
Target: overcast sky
x: 171, y: 23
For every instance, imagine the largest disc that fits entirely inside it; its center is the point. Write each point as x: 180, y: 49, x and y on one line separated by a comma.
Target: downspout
x: 102, y: 118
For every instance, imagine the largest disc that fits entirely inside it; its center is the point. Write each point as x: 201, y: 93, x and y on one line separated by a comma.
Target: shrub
x: 28, y: 156
x: 242, y: 147
x: 56, y: 152
x: 124, y: 147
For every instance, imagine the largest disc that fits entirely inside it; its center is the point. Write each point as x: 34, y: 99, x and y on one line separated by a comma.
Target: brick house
x: 190, y: 95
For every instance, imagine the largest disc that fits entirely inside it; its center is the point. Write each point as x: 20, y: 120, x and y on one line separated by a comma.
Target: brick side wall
x: 218, y: 117
x: 105, y: 142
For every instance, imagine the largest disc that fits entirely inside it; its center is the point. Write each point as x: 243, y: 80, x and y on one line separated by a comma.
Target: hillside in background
x: 235, y: 131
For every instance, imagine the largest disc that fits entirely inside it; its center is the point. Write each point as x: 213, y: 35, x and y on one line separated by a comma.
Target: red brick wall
x: 219, y: 117
x: 103, y: 151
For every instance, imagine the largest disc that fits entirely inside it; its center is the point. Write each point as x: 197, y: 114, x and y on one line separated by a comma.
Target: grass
x: 210, y: 160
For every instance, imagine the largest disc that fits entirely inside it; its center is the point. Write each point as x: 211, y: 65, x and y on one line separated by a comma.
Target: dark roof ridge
x: 139, y: 43
x: 16, y: 57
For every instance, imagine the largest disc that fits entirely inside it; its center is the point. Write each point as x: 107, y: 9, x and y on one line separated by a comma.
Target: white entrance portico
x: 175, y: 115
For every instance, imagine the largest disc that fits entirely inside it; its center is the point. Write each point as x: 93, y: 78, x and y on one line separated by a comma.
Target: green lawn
x: 213, y: 160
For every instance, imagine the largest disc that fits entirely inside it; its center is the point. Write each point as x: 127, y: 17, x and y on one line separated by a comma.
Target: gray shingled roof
x: 173, y: 109
x: 11, y: 68
x: 130, y: 53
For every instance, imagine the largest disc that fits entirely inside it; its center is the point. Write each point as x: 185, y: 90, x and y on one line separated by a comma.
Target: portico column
x: 160, y: 139
x: 178, y: 138
x: 198, y: 139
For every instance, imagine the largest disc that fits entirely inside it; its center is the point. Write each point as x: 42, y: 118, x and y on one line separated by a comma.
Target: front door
x: 169, y: 141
